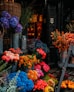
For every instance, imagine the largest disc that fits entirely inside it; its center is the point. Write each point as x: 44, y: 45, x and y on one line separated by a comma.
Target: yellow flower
x: 48, y: 89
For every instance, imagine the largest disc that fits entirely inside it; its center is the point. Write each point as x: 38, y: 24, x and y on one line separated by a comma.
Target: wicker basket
x: 12, y: 8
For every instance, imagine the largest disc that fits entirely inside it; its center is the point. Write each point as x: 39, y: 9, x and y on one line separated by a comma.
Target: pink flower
x: 5, y: 58
x: 12, y: 50
x: 42, y: 63
x: 44, y: 56
x: 46, y: 68
x: 40, y: 73
x: 41, y: 52
x: 37, y: 66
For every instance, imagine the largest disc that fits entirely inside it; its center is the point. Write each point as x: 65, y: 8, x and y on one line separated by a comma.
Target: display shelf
x: 65, y: 64
x: 71, y: 65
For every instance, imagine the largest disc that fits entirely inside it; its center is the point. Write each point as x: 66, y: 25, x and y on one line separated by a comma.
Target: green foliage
x: 70, y: 27
x: 27, y: 11
x: 3, y: 66
x: 25, y: 16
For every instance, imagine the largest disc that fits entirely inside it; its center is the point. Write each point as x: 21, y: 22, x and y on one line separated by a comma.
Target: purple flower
x: 5, y: 14
x: 18, y: 28
x: 13, y: 21
x: 5, y: 22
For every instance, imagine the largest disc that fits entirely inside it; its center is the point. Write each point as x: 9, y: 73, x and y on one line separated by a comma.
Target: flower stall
x: 26, y: 72
x: 23, y: 65
x: 62, y: 42
x: 10, y: 24
x: 65, y: 44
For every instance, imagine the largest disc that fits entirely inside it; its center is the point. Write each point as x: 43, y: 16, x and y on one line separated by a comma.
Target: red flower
x: 37, y: 66
x: 5, y: 58
x: 46, y: 68
x: 41, y: 52
x: 42, y: 63
x: 40, y: 85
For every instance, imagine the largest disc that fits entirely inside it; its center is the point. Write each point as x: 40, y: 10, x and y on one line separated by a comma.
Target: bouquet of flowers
x: 62, y: 40
x: 28, y: 61
x: 20, y: 82
x: 10, y: 22
x: 10, y: 58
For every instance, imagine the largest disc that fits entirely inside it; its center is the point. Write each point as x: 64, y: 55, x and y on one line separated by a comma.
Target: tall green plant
x: 26, y: 14
x: 27, y: 11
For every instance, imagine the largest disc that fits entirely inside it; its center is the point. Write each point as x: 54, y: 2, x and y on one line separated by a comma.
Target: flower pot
x: 15, y: 40
x: 63, y: 56
x: 24, y: 44
x: 1, y: 45
x: 73, y: 50
x: 72, y: 60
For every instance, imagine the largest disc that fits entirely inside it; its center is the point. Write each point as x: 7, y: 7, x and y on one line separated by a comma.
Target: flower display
x: 10, y: 56
x: 32, y: 74
x: 41, y: 53
x: 51, y: 81
x: 40, y: 73
x: 40, y: 44
x: 18, y: 28
x: 17, y: 50
x: 5, y: 14
x: 10, y: 22
x: 23, y: 83
x: 37, y: 66
x: 5, y: 22
x: 13, y: 21
x: 67, y: 84
x: 28, y: 60
x: 40, y: 85
x: 43, y: 66
x: 62, y: 40
x: 48, y: 89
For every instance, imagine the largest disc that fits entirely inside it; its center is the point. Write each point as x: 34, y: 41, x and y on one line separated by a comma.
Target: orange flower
x: 28, y: 61
x: 32, y: 74
x: 62, y: 40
